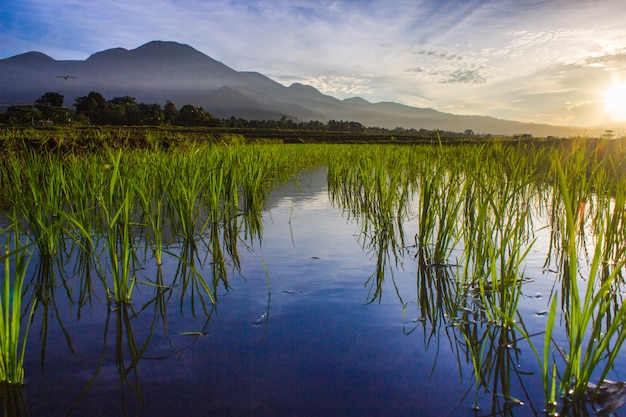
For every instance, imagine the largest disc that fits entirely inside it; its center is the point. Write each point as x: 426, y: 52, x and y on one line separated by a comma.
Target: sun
x: 615, y: 101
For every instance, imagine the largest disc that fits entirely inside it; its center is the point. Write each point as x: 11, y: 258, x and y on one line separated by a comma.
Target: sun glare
x: 615, y: 101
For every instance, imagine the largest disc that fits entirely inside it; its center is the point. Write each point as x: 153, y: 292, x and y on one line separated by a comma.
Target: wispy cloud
x: 443, y: 55
x: 463, y: 76
x: 341, y: 86
x: 611, y: 62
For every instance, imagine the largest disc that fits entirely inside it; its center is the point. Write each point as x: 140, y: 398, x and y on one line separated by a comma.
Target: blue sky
x: 527, y: 60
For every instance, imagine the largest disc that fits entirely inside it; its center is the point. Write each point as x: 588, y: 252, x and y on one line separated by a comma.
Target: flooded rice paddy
x: 333, y: 300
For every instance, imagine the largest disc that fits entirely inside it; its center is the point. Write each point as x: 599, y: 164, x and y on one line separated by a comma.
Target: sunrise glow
x: 615, y: 101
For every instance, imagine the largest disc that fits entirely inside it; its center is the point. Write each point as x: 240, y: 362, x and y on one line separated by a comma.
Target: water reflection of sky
x: 309, y: 345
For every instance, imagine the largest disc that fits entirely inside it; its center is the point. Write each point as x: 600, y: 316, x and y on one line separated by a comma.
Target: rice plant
x: 116, y: 202
x: 13, y: 337
x: 39, y: 194
x: 589, y: 340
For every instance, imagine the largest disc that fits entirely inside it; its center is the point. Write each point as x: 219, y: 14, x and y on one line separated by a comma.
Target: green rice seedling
x: 547, y: 366
x: 439, y: 204
x: 589, y: 340
x: 39, y: 194
x: 153, y: 141
x: 593, y: 318
x: 426, y: 215
x: 449, y: 207
x: 492, y: 216
x: 255, y: 170
x: 496, y: 241
x: 153, y: 182
x: 376, y: 195
x: 609, y: 216
x: 116, y: 202
x: 494, y: 278
x: 189, y: 175
x: 12, y: 338
x: 220, y: 192
x: 86, y: 178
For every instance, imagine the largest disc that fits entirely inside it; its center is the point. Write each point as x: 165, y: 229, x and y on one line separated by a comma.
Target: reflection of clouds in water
x: 308, y: 191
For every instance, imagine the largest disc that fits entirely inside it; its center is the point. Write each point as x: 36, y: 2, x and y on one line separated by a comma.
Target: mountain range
x: 159, y: 71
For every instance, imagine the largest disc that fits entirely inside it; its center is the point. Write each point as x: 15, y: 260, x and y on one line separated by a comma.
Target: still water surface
x: 299, y: 331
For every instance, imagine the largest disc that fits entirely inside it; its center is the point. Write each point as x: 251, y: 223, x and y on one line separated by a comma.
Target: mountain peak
x: 157, y: 54
x: 161, y: 48
x: 29, y: 58
x: 356, y: 101
x: 305, y: 90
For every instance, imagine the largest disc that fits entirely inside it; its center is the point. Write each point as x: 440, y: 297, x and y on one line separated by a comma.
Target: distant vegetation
x: 95, y: 110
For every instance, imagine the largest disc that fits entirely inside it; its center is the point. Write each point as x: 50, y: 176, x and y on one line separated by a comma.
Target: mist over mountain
x: 159, y: 71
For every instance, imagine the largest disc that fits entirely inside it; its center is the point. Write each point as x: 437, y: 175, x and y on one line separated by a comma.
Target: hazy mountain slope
x: 160, y: 71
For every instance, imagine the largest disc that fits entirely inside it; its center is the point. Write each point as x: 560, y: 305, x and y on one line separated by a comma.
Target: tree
x: 190, y: 115
x: 51, y: 107
x: 170, y: 113
x: 49, y: 100
x: 21, y: 115
x: 94, y: 106
x: 608, y: 134
x: 123, y: 111
x: 150, y: 114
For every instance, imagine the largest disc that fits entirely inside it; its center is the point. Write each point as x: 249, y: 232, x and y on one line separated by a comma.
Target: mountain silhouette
x: 159, y: 71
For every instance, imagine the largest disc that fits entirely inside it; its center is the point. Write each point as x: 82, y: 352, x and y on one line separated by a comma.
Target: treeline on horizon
x: 95, y: 110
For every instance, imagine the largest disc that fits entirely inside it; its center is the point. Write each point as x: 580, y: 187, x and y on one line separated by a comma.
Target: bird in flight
x: 65, y: 77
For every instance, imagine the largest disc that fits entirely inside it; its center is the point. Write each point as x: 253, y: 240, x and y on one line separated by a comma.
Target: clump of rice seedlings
x: 39, y: 194
x: 376, y: 194
x: 13, y: 338
x: 189, y: 175
x: 490, y: 275
x: 255, y: 171
x: 86, y: 177
x: 593, y: 341
x: 583, y: 201
x: 439, y: 204
x: 116, y: 203
x: 154, y: 180
x: 609, y: 215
